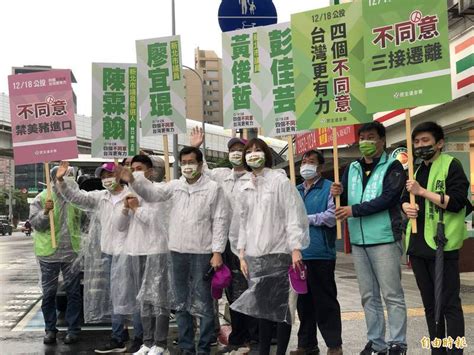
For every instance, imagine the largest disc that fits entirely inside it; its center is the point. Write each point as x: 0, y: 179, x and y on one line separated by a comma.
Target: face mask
x: 136, y: 174
x: 308, y: 171
x: 425, y: 153
x: 235, y: 158
x: 367, y: 148
x: 255, y: 159
x: 109, y: 183
x: 189, y: 171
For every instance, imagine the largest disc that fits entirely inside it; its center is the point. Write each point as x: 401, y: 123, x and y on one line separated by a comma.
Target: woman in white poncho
x: 273, y: 231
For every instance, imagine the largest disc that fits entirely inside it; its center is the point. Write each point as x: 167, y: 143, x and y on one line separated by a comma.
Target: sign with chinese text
x: 42, y: 117
x: 276, y: 80
x: 241, y: 68
x: 407, y: 54
x: 328, y: 58
x: 114, y: 110
x: 322, y: 138
x: 161, y: 94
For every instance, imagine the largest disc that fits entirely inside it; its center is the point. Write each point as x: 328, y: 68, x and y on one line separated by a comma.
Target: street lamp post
x: 203, y: 106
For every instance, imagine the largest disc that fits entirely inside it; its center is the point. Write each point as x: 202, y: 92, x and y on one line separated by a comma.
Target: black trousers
x: 244, y: 327
x: 452, y: 324
x: 319, y: 308
x: 266, y: 332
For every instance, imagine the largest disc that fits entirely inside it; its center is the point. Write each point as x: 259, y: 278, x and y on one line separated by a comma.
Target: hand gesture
x: 123, y: 174
x: 336, y: 189
x: 48, y: 206
x: 62, y: 170
x: 197, y: 137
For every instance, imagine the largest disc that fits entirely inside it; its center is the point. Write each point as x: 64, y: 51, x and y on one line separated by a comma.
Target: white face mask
x: 109, y: 183
x: 255, y: 159
x: 136, y: 174
x: 308, y: 171
x: 235, y: 158
x: 189, y: 171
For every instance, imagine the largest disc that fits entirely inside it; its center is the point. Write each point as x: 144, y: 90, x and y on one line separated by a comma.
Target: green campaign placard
x: 406, y: 53
x: 161, y: 93
x: 276, y: 82
x: 114, y: 110
x: 328, y: 53
x: 240, y: 73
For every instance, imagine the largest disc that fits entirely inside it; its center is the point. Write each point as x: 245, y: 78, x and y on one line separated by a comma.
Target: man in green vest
x: 440, y: 183
x: 62, y: 259
x: 370, y: 194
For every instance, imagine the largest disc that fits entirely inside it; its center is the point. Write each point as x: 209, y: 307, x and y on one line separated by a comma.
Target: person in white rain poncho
x: 273, y: 231
x: 147, y: 241
x: 197, y: 238
x: 108, y: 205
x: 244, y: 327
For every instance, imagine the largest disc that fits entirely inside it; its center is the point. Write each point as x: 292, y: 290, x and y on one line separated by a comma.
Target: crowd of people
x: 247, y: 231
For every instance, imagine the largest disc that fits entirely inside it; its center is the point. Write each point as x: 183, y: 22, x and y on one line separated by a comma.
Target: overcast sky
x: 73, y: 34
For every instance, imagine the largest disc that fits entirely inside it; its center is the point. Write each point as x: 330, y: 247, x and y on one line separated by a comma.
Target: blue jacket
x: 322, y: 238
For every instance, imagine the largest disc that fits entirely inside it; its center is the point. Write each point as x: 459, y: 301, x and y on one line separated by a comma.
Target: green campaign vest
x: 42, y: 240
x: 377, y: 228
x: 454, y: 227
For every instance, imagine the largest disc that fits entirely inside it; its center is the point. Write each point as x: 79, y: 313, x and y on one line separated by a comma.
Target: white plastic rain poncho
x: 273, y: 223
x: 198, y: 215
x: 146, y: 260
x: 231, y: 182
x: 198, y: 220
x: 106, y: 208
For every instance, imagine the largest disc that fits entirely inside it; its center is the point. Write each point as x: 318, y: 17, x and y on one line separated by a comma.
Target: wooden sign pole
x: 411, y: 171
x: 336, y: 177
x: 51, y: 212
x: 291, y: 160
x: 167, y: 158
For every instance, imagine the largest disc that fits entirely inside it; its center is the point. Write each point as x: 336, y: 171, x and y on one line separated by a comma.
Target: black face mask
x: 425, y: 153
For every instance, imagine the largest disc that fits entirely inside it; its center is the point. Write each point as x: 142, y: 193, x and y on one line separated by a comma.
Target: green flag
x: 407, y: 54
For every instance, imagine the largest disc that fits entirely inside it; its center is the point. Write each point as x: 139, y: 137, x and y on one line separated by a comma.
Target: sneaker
x: 50, y: 337
x: 136, y: 345
x: 214, y: 342
x: 112, y: 347
x: 143, y: 350
x: 71, y: 338
x: 156, y: 350
x: 396, y: 349
x: 368, y: 350
x: 227, y: 349
x: 175, y: 341
x: 335, y: 351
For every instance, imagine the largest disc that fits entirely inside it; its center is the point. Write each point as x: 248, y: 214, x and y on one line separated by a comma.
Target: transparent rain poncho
x: 268, y: 293
x: 273, y: 223
x: 102, y: 243
x: 198, y: 222
x: 144, y: 265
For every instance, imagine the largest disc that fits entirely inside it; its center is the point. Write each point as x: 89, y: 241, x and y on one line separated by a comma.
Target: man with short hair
x: 244, y: 327
x: 147, y: 239
x: 197, y: 238
x: 60, y: 259
x: 319, y: 308
x: 440, y: 183
x: 370, y: 194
